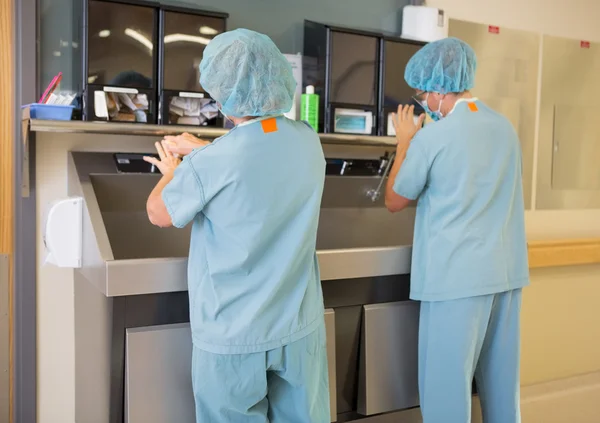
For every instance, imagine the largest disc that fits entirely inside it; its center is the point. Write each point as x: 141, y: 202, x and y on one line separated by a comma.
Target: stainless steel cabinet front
x: 388, y: 377
x: 330, y: 330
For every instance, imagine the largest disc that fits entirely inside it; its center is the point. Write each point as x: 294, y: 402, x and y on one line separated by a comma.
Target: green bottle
x: 309, y: 107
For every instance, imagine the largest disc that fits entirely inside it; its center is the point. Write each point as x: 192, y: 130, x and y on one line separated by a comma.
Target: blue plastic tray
x: 49, y: 111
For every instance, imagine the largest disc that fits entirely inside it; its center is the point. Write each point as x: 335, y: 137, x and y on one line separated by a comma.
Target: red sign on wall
x: 494, y: 29
x: 586, y: 44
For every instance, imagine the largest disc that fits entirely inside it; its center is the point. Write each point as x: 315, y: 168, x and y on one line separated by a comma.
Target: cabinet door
x: 569, y: 139
x: 121, y: 45
x: 388, y: 378
x: 395, y: 89
x: 396, y: 55
x: 185, y: 38
x: 354, y: 70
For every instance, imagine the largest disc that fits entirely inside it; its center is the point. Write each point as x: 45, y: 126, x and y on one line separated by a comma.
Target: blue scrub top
x: 254, y: 197
x: 465, y: 171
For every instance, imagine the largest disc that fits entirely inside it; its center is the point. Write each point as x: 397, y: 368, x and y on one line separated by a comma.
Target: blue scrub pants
x: 286, y: 385
x: 459, y: 339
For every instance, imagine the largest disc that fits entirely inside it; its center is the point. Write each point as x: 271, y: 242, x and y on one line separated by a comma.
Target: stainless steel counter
x: 152, y: 276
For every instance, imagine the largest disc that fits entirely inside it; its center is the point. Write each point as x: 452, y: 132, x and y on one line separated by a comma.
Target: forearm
x: 155, y: 206
x: 390, y: 194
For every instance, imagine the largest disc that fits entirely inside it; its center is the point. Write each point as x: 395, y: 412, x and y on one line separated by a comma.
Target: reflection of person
x: 131, y: 79
x: 469, y: 255
x: 253, y: 195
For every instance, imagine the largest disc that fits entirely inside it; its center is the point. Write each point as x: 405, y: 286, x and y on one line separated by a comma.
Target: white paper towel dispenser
x: 63, y: 233
x: 422, y: 23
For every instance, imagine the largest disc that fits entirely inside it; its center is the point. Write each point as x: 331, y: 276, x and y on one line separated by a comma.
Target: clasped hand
x: 183, y: 144
x: 171, y: 148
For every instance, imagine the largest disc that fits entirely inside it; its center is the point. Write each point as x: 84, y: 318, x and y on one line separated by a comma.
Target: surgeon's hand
x: 183, y: 144
x: 405, y: 126
x: 167, y: 163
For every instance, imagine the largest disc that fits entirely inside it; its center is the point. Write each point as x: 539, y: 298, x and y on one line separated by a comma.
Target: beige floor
x: 573, y: 400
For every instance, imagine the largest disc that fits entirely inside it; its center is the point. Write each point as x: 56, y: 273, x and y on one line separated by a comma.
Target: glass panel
x: 353, y: 69
x: 186, y: 36
x: 396, y: 58
x: 60, y: 45
x: 120, y: 44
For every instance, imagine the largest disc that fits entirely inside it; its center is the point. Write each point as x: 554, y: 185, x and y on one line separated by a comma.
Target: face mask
x: 224, y: 115
x: 434, y: 115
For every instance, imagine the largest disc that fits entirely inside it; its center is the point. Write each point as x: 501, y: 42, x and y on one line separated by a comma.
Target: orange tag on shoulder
x: 269, y: 125
x: 473, y: 107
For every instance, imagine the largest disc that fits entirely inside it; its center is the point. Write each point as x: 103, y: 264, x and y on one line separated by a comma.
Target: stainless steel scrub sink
x: 122, y: 201
x: 124, y: 254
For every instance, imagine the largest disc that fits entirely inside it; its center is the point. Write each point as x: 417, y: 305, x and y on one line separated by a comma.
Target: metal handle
x: 24, y: 145
x: 374, y: 194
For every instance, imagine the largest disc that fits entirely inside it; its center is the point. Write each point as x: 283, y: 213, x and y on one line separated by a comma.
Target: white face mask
x: 224, y: 115
x: 435, y: 115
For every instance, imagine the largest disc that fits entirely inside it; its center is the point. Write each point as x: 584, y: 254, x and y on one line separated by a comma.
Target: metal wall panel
x: 135, y: 313
x: 158, y: 377
x: 388, y: 379
x: 507, y: 80
x: 569, y: 139
x: 25, y: 259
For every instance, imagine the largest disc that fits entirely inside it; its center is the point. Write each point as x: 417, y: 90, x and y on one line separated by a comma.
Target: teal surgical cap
x: 444, y: 66
x: 247, y: 74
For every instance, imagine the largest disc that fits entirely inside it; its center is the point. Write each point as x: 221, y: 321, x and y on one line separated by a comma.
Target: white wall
x: 571, y: 19
x: 55, y: 287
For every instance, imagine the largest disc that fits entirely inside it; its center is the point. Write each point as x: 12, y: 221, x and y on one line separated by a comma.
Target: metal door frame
x: 24, y: 257
x: 4, y: 338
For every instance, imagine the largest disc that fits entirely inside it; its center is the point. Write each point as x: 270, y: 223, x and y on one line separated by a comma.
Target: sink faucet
x: 374, y: 194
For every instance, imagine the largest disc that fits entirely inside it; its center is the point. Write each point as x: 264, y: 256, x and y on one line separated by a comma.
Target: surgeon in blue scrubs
x: 253, y: 198
x: 469, y: 260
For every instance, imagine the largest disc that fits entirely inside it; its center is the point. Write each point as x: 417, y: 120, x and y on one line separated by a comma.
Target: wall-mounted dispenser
x: 347, y: 77
x: 395, y: 54
x: 184, y: 34
x: 63, y: 233
x: 422, y: 23
x: 140, y: 62
x: 120, y: 61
